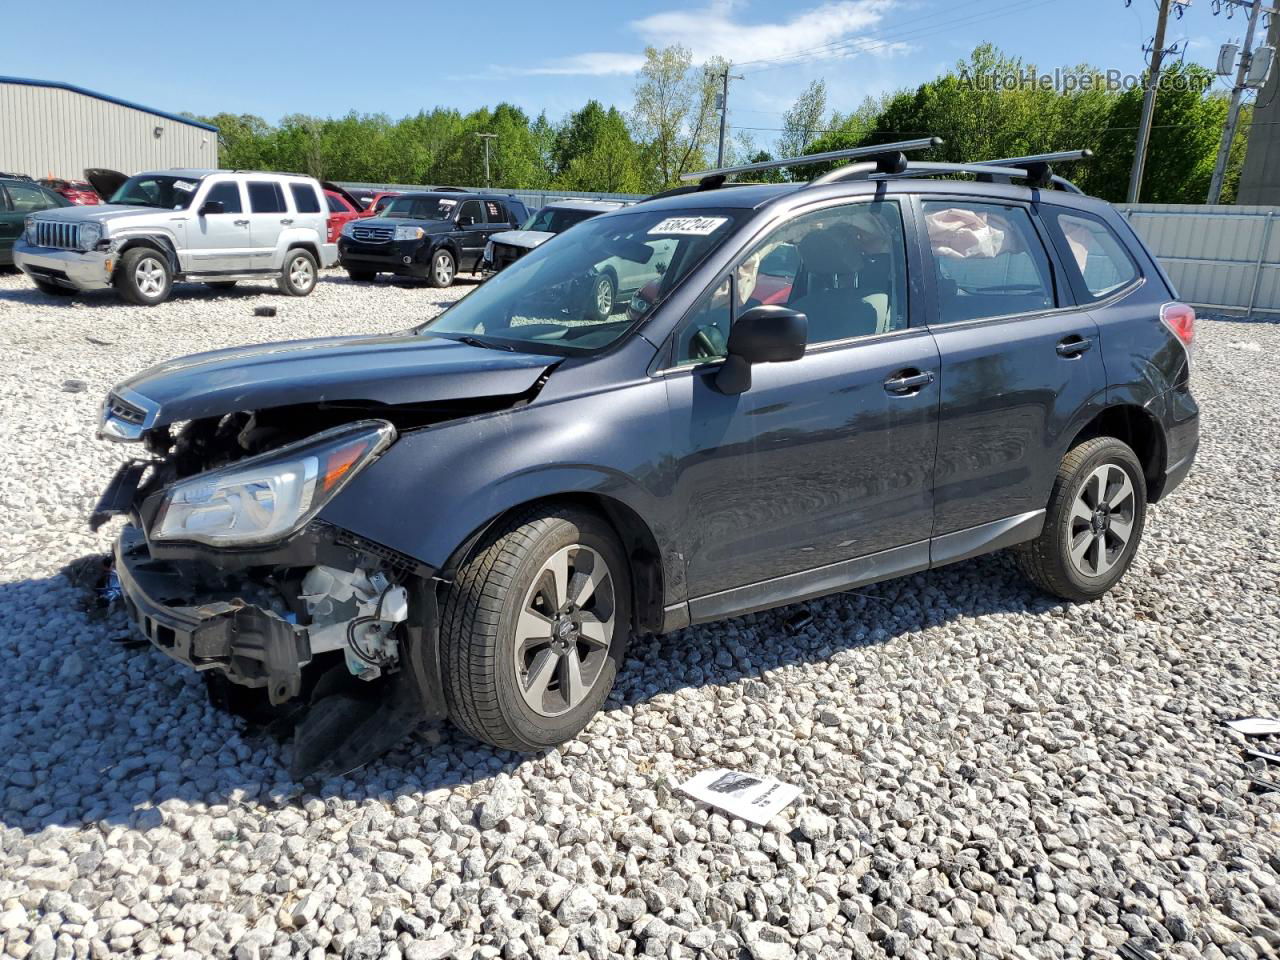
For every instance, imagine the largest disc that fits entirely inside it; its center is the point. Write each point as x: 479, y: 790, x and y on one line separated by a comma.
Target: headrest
x: 827, y: 251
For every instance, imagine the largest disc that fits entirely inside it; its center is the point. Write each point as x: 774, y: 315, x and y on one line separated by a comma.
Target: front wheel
x: 603, y: 294
x: 142, y: 276
x: 1093, y: 524
x: 443, y: 268
x: 534, y: 629
x: 299, y: 276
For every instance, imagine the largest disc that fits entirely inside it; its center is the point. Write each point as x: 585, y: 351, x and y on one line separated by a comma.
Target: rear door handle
x: 1073, y: 345
x: 286, y: 221
x: 908, y: 381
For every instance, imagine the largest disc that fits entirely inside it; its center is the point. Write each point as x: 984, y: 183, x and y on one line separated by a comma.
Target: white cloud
x: 588, y: 64
x: 816, y: 34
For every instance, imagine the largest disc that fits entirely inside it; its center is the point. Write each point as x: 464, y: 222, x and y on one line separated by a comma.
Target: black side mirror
x: 765, y: 334
x: 212, y: 206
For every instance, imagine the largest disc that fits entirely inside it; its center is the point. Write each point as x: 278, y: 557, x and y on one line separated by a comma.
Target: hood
x: 428, y: 226
x: 100, y: 212
x: 105, y: 181
x: 397, y: 369
x: 522, y: 238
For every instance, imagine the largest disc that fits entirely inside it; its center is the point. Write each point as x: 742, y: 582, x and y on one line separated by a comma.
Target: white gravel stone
x: 987, y: 772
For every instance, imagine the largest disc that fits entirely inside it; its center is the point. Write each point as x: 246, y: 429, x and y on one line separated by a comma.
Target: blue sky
x: 327, y: 57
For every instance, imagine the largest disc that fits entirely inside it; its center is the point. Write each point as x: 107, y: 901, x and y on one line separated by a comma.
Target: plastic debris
x: 751, y: 796
x: 1262, y: 755
x: 74, y: 386
x: 1255, y: 726
x: 264, y: 311
x: 798, y: 621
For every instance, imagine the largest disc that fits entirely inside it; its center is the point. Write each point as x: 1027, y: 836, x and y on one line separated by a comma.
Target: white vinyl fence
x: 1221, y: 256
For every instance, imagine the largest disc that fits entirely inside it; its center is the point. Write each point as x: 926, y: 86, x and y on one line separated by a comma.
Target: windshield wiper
x: 487, y: 344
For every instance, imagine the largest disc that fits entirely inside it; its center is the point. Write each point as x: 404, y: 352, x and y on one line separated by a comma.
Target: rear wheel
x: 1093, y: 524
x: 299, y: 276
x: 534, y: 629
x: 443, y: 268
x: 53, y: 289
x: 603, y: 293
x: 143, y: 276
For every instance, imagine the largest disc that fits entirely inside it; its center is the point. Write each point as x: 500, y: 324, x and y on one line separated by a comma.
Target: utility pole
x: 1233, y: 111
x: 486, y: 137
x: 724, y: 112
x: 1148, y: 104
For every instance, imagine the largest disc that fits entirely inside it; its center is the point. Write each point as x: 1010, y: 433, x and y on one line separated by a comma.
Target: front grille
x: 503, y: 254
x: 373, y: 234
x: 58, y: 233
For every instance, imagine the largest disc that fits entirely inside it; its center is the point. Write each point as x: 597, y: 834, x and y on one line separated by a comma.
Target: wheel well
x: 637, y: 540
x: 158, y: 244
x: 304, y: 245
x: 1141, y: 431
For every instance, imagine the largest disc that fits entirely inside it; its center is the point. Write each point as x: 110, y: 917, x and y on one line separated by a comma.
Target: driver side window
x: 844, y: 268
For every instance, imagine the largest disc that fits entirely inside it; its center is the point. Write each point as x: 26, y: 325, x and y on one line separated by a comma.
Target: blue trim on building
x: 58, y: 85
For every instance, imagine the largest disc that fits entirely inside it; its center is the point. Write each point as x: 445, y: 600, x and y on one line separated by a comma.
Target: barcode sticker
x: 688, y: 226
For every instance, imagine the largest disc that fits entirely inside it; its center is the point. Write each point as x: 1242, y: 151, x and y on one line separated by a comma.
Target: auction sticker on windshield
x: 688, y: 226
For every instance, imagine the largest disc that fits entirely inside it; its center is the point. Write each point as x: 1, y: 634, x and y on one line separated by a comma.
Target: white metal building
x: 51, y: 129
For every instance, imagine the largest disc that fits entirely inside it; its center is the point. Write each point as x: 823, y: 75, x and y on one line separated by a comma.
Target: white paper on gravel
x: 751, y: 796
x: 1255, y: 726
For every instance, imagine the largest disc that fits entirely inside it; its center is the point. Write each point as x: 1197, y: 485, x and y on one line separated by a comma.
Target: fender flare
x: 158, y: 242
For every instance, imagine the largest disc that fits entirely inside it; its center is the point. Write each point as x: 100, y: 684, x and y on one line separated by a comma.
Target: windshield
x: 421, y: 208
x: 582, y: 290
x: 157, y: 190
x: 558, y: 220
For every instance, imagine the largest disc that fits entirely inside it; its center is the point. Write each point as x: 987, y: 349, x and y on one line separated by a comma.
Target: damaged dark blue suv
x: 816, y: 386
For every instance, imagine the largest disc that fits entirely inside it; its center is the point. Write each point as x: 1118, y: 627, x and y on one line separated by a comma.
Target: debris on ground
x: 1255, y: 726
x: 74, y: 386
x: 751, y: 796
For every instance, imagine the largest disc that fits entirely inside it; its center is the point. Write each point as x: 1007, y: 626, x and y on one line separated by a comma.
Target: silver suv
x: 211, y: 226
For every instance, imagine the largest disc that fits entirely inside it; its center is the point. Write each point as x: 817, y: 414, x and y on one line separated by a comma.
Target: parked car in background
x: 504, y: 249
x: 378, y: 202
x: 432, y: 235
x: 77, y: 191
x: 213, y: 226
x: 19, y: 198
x: 343, y: 208
x: 516, y: 488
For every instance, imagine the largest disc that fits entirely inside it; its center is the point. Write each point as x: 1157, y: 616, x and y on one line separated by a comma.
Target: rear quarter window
x: 1098, y: 262
x: 305, y: 199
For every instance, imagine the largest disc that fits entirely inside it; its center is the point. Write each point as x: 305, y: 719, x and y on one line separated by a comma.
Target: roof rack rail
x: 1040, y: 175
x: 1058, y: 157
x: 884, y: 149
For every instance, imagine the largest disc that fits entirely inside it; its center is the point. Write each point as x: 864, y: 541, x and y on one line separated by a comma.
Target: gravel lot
x: 986, y: 773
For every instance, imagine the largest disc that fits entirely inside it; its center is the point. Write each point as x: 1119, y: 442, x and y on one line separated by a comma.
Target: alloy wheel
x: 564, y: 630
x: 149, y: 277
x: 301, y: 274
x: 444, y: 270
x: 604, y: 297
x: 1101, y: 520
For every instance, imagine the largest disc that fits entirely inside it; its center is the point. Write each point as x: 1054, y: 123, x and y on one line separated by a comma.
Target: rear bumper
x: 1182, y: 439
x: 251, y: 646
x: 328, y: 254
x: 76, y: 270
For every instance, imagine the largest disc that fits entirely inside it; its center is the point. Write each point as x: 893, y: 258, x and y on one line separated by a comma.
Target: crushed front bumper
x: 74, y: 269
x: 207, y: 631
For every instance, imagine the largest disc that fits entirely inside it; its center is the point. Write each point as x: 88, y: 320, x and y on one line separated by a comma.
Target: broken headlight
x: 268, y: 497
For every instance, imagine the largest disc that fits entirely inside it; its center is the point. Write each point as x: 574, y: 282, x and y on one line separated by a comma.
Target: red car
x: 342, y: 207
x: 377, y: 202
x: 77, y: 191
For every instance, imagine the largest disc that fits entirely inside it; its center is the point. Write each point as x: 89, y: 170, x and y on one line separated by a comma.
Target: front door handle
x: 242, y: 223
x: 908, y: 381
x: 286, y: 221
x: 1073, y: 345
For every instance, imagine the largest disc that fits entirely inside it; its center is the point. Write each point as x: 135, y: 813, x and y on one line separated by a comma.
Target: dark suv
x: 433, y: 235
x: 473, y: 518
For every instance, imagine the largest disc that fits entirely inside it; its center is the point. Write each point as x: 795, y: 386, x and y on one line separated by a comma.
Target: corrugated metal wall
x: 50, y: 131
x: 1217, y: 256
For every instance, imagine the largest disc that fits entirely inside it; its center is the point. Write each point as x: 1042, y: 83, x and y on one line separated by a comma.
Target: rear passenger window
x: 266, y: 197
x: 495, y: 212
x: 27, y: 198
x: 226, y: 193
x: 1098, y: 256
x: 989, y: 260
x: 304, y: 198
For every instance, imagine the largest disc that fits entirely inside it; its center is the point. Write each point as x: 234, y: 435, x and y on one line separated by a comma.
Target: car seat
x: 832, y: 303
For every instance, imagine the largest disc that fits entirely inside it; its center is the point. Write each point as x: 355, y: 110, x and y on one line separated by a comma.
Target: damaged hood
x: 397, y: 369
x: 528, y: 239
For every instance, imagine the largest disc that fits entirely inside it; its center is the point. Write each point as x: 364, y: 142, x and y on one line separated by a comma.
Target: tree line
x: 673, y: 127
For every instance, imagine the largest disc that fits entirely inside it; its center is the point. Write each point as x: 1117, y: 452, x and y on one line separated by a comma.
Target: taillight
x: 1181, y: 321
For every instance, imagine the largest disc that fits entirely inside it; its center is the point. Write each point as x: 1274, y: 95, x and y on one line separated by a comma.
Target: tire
x: 1082, y: 552
x: 298, y: 278
x: 604, y: 296
x: 361, y: 276
x: 53, y: 289
x: 443, y: 269
x: 143, y: 276
x: 526, y: 701
x: 220, y: 284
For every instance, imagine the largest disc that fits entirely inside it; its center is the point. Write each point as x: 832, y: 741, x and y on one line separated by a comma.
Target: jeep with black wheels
x: 817, y: 386
x: 212, y: 226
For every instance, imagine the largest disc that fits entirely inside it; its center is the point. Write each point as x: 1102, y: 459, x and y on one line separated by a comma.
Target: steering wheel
x: 708, y: 343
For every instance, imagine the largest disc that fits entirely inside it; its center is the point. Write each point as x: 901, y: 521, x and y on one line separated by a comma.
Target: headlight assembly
x: 348, y: 228
x: 410, y: 233
x: 266, y: 498
x: 29, y: 230
x: 90, y: 234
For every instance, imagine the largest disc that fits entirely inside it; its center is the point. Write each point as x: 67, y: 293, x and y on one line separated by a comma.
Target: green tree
x: 674, y: 111
x: 803, y: 123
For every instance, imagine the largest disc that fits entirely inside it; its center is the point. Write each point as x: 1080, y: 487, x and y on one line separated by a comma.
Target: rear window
x: 1098, y: 258
x: 304, y: 198
x: 266, y: 197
